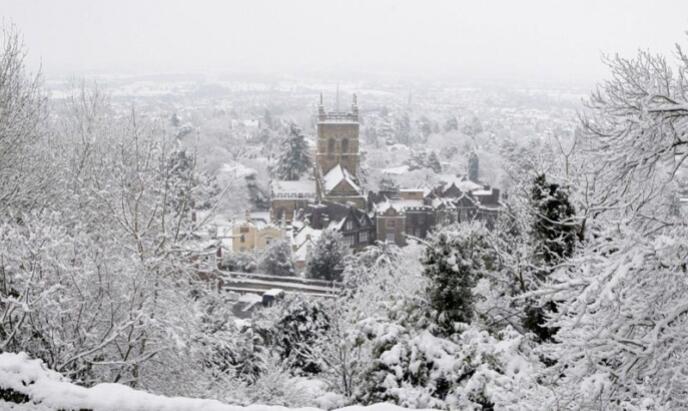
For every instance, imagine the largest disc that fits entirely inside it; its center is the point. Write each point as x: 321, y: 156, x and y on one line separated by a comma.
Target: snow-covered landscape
x: 334, y: 205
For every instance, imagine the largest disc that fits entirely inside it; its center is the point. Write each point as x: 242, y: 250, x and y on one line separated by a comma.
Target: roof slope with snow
x: 293, y: 189
x: 335, y: 176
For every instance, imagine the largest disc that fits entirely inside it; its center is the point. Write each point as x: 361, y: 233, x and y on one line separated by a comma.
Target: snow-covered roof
x: 293, y: 189
x: 305, y: 233
x: 237, y: 169
x: 482, y: 192
x: 336, y: 176
x: 467, y: 185
x: 304, y: 240
x: 396, y: 170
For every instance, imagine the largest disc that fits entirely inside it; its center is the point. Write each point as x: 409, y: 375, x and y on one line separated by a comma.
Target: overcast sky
x: 501, y: 39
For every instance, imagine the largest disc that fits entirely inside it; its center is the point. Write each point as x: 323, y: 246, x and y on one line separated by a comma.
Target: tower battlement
x: 338, y: 116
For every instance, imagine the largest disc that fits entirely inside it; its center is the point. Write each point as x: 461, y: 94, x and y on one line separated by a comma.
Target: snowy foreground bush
x: 26, y: 384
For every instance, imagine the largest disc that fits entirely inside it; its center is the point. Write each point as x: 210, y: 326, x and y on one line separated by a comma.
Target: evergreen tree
x: 473, y: 167
x: 175, y: 120
x: 276, y: 259
x: 325, y: 260
x: 473, y: 128
x: 455, y: 259
x: 451, y: 124
x: 294, y: 157
x: 554, y: 232
x: 402, y: 130
x: 425, y: 126
x: 267, y: 119
x: 554, y: 227
x: 298, y: 331
x: 433, y: 162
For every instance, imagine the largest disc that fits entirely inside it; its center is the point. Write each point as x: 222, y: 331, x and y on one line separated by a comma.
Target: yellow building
x: 254, y: 235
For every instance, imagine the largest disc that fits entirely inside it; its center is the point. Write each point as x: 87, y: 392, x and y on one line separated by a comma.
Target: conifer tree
x: 473, y: 167
x: 294, y: 157
x: 554, y: 232
x: 325, y: 260
x: 297, y: 331
x: 554, y: 227
x: 433, y: 162
x: 455, y: 259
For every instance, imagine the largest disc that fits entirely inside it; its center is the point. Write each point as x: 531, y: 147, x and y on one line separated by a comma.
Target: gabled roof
x: 337, y: 175
x: 293, y: 189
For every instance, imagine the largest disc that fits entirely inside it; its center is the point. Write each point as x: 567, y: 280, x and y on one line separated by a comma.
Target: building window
x: 349, y: 225
x: 330, y: 146
x: 390, y: 236
x: 349, y: 240
x: 390, y: 223
x: 363, y: 237
x: 345, y: 145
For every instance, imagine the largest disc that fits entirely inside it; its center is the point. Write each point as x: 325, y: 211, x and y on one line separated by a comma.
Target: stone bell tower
x: 338, y: 138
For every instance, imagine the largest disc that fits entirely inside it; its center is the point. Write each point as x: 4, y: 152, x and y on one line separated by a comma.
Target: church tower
x: 338, y: 138
x: 337, y: 157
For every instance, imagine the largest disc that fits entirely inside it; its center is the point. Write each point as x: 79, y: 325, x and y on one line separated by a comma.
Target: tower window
x: 345, y: 145
x: 330, y: 146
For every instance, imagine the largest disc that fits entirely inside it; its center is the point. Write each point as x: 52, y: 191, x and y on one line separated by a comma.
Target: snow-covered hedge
x: 26, y: 384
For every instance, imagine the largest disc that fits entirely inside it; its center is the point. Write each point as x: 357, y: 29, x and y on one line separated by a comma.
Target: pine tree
x: 554, y: 232
x: 325, y: 260
x: 276, y: 259
x: 433, y: 162
x: 554, y: 227
x: 294, y: 157
x: 455, y: 259
x: 297, y: 331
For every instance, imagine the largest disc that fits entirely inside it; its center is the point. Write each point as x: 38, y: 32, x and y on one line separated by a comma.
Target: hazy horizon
x: 529, y: 41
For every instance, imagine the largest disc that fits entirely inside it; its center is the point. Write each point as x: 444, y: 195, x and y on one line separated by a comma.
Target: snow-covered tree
x: 294, y: 157
x: 326, y: 258
x: 555, y: 227
x: 622, y: 319
x: 451, y: 124
x: 24, y: 180
x: 276, y: 259
x: 455, y: 259
x: 243, y: 262
x: 295, y: 334
x: 433, y: 162
x: 473, y: 127
x: 634, y: 133
x: 402, y: 128
x: 472, y: 370
x: 473, y: 167
x: 554, y: 234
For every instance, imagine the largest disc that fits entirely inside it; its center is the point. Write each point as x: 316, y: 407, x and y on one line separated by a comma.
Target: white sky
x: 501, y: 39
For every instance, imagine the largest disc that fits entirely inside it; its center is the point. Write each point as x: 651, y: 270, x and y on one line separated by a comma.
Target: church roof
x: 293, y: 189
x: 335, y: 176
